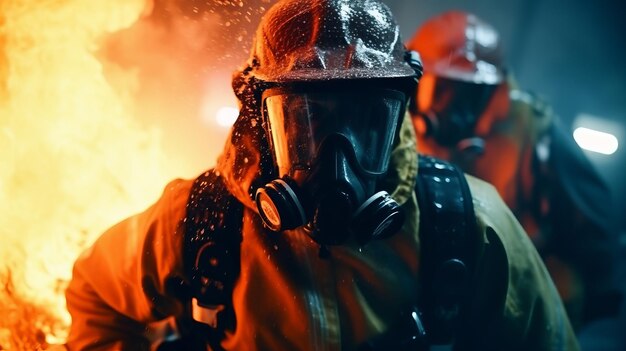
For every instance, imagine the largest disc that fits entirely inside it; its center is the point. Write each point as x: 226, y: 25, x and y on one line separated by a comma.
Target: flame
x: 96, y: 115
x: 73, y: 158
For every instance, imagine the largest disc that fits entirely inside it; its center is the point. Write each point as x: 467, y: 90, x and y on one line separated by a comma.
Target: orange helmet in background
x: 460, y: 46
x: 463, y: 67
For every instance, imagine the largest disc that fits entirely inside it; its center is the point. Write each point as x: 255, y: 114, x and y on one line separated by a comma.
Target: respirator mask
x: 330, y: 147
x: 454, y: 111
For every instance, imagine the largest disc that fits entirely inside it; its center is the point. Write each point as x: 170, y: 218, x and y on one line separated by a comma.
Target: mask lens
x: 301, y: 122
x: 458, y: 106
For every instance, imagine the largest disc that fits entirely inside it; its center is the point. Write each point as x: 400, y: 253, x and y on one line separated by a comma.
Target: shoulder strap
x: 212, y: 238
x: 449, y: 243
x: 211, y: 250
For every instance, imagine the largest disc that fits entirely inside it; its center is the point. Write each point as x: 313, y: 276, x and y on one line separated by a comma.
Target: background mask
x: 455, y: 111
x: 330, y: 147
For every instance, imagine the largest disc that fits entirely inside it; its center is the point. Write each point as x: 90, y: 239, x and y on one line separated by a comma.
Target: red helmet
x: 313, y: 40
x: 463, y: 71
x: 459, y: 46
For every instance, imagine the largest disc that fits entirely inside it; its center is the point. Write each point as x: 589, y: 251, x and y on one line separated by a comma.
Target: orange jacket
x: 287, y: 298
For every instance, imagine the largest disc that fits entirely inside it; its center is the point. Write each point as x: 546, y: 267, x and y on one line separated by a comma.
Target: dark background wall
x: 573, y: 53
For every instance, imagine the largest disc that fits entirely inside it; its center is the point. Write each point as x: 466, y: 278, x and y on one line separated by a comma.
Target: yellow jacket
x: 287, y: 298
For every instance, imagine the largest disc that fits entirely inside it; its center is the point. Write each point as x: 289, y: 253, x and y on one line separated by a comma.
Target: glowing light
x: 596, y: 141
x: 226, y: 116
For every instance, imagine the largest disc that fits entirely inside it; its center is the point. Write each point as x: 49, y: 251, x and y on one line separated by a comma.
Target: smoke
x: 184, y: 54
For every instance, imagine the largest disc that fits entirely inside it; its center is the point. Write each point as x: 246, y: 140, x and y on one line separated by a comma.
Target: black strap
x: 212, y: 238
x: 449, y: 243
x: 211, y: 252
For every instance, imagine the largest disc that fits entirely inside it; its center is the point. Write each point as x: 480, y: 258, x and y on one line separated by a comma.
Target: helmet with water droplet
x: 318, y: 40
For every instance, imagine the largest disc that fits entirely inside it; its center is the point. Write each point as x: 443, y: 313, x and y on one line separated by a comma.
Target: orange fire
x: 101, y: 103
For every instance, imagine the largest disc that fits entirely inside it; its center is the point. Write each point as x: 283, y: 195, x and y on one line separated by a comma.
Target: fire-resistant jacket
x: 561, y: 192
x: 287, y: 297
x: 556, y: 193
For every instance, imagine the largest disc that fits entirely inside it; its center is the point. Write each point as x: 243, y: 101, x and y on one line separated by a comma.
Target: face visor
x: 455, y: 107
x: 361, y: 124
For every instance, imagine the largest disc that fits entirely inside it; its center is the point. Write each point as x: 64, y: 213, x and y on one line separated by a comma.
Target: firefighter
x: 470, y: 111
x: 324, y: 246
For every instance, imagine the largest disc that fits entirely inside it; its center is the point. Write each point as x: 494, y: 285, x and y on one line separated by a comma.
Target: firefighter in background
x: 328, y: 248
x: 470, y: 111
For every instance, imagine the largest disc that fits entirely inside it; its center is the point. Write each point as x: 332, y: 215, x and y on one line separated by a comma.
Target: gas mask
x: 330, y: 147
x: 454, y: 112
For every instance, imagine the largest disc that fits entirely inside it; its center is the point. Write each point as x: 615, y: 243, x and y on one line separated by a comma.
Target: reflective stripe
x: 206, y: 315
